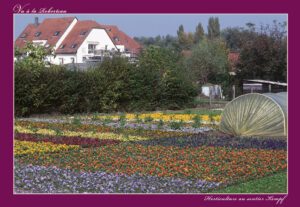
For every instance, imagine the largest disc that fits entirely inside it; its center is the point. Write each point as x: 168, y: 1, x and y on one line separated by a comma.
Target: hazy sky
x: 156, y: 24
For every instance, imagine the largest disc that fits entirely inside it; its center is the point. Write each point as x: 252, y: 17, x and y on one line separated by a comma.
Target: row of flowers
x: 216, y: 164
x: 96, y: 135
x: 95, y: 131
x: 98, y: 139
x: 22, y: 148
x: 75, y: 140
x: 161, y: 116
x: 41, y: 179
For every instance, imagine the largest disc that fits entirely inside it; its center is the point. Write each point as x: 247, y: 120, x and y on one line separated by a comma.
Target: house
x: 123, y: 42
x: 75, y: 41
x: 233, y: 58
x: 263, y: 86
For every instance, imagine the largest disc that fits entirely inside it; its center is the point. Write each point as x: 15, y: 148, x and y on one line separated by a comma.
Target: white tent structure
x: 256, y: 114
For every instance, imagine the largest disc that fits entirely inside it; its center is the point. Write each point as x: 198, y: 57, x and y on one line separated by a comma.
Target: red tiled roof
x: 76, y: 36
x: 233, y: 58
x: 47, y: 28
x: 120, y: 38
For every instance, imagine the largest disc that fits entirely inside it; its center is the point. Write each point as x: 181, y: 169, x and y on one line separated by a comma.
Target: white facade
x: 61, y: 59
x: 100, y: 41
x: 97, y: 40
x: 121, y: 48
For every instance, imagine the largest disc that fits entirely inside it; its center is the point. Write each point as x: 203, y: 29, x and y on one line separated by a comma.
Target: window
x: 56, y: 33
x: 91, y: 48
x: 106, y: 47
x: 47, y: 45
x: 23, y: 35
x: 83, y: 32
x: 83, y: 59
x: 116, y: 39
x: 72, y: 60
x: 62, y: 46
x: 74, y: 45
x: 37, y: 34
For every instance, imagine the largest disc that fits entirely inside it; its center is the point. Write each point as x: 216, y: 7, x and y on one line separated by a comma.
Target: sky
x: 151, y: 25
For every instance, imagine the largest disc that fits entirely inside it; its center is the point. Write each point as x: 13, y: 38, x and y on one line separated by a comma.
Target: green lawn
x: 272, y: 184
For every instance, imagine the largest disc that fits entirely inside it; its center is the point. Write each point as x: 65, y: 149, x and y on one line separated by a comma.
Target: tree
x: 199, y: 34
x: 264, y: 54
x: 158, y: 81
x: 208, y: 60
x: 213, y: 28
x: 32, y: 55
x: 181, y: 35
x: 234, y: 38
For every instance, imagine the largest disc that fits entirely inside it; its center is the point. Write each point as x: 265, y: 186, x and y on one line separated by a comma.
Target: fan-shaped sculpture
x: 256, y: 114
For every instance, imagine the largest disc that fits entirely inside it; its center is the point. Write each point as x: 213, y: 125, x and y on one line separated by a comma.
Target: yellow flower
x: 25, y: 147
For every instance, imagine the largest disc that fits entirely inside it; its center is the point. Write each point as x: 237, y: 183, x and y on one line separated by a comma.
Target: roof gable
x: 77, y: 35
x: 120, y: 38
x: 50, y: 29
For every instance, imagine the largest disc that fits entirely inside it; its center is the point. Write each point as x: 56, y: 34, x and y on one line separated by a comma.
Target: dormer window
x: 116, y: 39
x: 83, y: 33
x: 37, y: 34
x: 56, y: 33
x: 23, y: 35
x: 62, y: 47
x: 74, y: 45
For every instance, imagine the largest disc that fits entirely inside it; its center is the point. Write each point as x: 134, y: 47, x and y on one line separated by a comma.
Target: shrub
x: 114, y: 85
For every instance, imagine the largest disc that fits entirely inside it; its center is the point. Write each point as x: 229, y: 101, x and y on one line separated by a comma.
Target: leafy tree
x: 189, y: 40
x: 199, y: 33
x: 209, y: 58
x: 263, y: 55
x: 158, y: 81
x: 234, y: 37
x: 213, y: 28
x: 32, y: 55
x: 168, y: 41
x: 181, y: 35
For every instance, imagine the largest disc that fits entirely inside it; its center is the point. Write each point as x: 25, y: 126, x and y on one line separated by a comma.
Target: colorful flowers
x: 82, y: 141
x: 165, y: 117
x: 220, y: 164
x: 85, y: 151
x: 39, y: 148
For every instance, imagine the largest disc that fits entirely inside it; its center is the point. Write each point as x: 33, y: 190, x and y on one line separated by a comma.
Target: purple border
x: 138, y: 6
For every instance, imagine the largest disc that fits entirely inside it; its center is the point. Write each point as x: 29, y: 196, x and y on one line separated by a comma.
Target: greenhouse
x: 256, y: 114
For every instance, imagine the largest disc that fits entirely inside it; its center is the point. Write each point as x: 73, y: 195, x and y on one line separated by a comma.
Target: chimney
x: 36, y: 21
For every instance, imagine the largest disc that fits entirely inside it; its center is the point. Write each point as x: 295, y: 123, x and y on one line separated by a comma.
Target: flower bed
x: 82, y: 141
x: 217, y: 164
x: 219, y: 140
x: 22, y: 148
x: 161, y: 116
x: 95, y: 135
x: 40, y: 179
x: 76, y: 157
x: 53, y: 128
